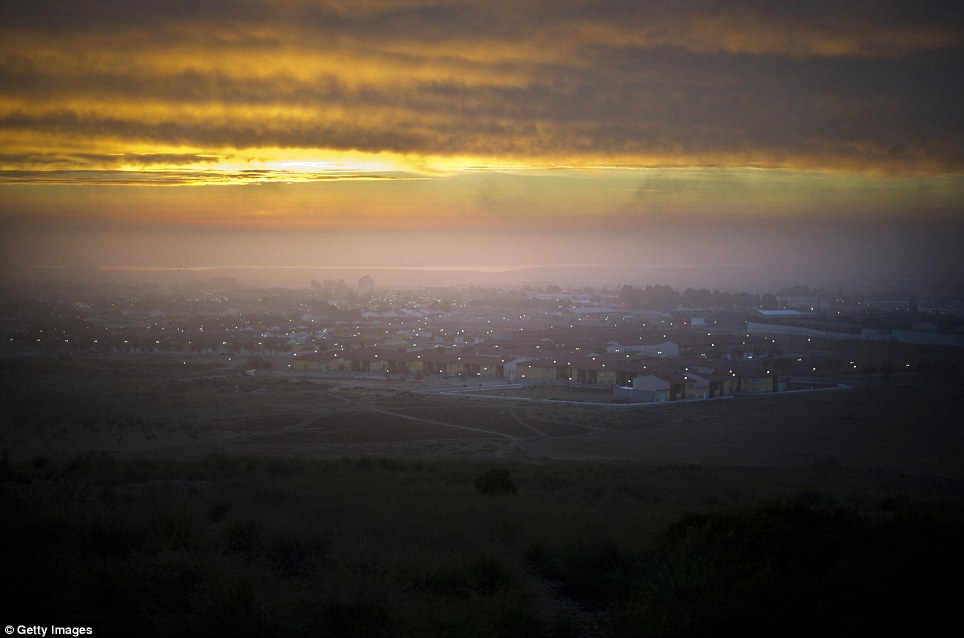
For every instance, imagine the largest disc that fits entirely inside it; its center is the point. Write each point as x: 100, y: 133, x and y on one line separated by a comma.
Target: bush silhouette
x: 496, y: 482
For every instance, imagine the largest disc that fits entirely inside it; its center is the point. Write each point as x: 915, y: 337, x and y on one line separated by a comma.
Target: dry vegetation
x: 150, y: 497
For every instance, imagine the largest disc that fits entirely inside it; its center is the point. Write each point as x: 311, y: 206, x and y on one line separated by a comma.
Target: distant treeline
x: 807, y: 291
x: 665, y: 298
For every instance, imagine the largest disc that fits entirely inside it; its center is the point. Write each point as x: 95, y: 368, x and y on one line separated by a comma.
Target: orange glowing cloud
x: 431, y: 114
x: 539, y: 84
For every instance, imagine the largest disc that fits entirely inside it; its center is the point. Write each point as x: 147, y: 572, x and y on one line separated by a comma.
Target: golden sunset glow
x: 465, y: 116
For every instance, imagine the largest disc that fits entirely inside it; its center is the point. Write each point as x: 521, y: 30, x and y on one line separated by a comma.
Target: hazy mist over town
x: 863, y: 256
x: 509, y: 318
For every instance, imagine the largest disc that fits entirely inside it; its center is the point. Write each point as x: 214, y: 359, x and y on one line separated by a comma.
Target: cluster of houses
x: 657, y: 370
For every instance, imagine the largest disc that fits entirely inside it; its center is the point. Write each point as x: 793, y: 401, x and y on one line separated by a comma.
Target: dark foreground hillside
x: 233, y: 546
x: 215, y: 503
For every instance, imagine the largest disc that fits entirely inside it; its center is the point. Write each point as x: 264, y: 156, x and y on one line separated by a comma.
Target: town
x: 628, y: 344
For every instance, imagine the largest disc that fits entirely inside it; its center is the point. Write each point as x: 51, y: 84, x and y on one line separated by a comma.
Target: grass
x: 364, y: 546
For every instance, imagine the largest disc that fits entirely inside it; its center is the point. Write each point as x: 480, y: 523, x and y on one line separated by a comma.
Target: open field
x: 159, y: 407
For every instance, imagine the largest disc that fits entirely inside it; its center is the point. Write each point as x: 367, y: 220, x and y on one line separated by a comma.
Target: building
x: 664, y: 387
x: 366, y: 286
x: 645, y: 388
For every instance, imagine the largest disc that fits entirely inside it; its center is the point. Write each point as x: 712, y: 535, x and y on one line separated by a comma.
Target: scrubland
x: 190, y: 500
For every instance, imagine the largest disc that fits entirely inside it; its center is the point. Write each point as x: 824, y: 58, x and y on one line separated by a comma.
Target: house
x: 440, y: 362
x: 665, y: 386
x: 483, y: 366
x: 686, y: 386
x: 645, y: 388
x: 754, y: 378
x: 598, y: 369
x: 366, y: 360
x: 697, y: 387
x: 718, y: 375
x: 722, y: 384
x: 611, y: 368
x: 309, y: 361
x: 545, y: 369
x: 755, y: 383
x: 363, y: 360
x: 402, y: 362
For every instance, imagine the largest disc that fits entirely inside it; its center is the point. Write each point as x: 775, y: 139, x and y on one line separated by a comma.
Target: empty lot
x: 166, y: 408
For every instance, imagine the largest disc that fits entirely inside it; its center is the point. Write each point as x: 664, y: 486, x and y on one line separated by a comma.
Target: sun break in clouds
x: 429, y: 85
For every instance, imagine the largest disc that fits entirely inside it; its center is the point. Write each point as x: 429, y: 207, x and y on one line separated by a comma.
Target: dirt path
x: 523, y: 423
x: 365, y: 406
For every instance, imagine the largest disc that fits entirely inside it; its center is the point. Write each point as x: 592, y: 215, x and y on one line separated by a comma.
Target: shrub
x: 496, y: 482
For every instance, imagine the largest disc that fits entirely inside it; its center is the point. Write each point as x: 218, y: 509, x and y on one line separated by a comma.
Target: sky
x: 776, y: 140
